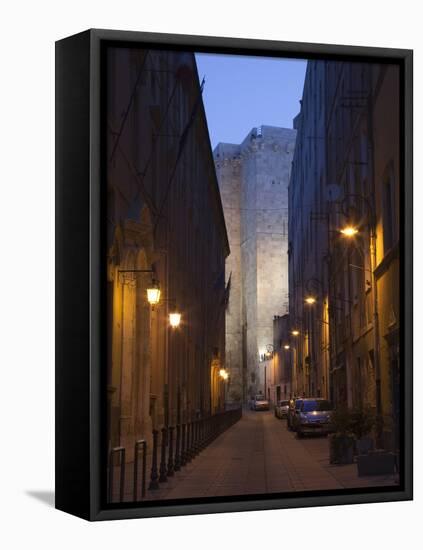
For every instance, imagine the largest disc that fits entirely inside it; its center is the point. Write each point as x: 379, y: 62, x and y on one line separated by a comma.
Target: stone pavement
x: 258, y: 455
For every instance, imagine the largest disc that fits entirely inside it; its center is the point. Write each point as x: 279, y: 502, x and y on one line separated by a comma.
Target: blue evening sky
x: 245, y: 92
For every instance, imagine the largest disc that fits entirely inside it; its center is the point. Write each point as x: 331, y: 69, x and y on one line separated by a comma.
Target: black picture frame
x: 80, y: 294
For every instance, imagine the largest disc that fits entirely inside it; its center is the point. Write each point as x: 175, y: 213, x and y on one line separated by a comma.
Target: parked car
x: 260, y: 403
x: 281, y: 408
x: 313, y: 416
x: 294, y: 405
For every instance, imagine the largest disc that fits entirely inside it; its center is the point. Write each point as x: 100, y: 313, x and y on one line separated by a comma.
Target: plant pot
x: 376, y: 463
x: 341, y: 449
x: 364, y: 445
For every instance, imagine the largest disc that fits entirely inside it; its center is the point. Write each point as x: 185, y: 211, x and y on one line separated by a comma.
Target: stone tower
x: 253, y: 180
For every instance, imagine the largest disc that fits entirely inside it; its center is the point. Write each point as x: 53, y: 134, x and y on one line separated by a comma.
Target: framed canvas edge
x: 250, y: 506
x: 405, y: 57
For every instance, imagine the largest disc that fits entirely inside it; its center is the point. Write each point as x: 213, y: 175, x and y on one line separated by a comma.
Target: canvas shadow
x: 46, y: 497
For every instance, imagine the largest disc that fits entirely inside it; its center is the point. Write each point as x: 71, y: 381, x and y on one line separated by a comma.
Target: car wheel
x: 299, y: 434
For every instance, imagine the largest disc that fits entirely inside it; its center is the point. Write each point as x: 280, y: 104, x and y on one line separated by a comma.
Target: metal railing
x: 173, y: 448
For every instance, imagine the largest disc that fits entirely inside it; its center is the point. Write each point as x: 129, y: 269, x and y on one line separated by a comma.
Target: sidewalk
x: 258, y: 455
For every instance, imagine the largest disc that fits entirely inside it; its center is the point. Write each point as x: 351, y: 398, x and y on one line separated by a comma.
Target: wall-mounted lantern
x: 153, y: 293
x: 223, y: 373
x: 174, y: 319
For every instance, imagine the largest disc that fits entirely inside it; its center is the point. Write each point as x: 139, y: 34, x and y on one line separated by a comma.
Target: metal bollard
x: 188, y: 435
x: 121, y: 452
x: 170, y: 465
x: 202, y: 433
x: 183, y: 446
x: 140, y: 446
x: 194, y: 439
x: 163, y: 469
x: 192, y: 447
x: 154, y: 484
x: 177, y: 464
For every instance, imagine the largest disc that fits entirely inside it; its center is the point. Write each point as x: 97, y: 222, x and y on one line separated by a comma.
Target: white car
x: 260, y: 403
x: 281, y: 409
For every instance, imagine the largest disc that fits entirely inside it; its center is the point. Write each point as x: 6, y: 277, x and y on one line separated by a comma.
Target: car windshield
x: 298, y: 403
x: 283, y: 403
x: 260, y: 398
x: 323, y: 405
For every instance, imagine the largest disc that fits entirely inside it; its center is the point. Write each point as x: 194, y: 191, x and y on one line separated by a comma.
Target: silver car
x: 281, y: 408
x: 260, y: 403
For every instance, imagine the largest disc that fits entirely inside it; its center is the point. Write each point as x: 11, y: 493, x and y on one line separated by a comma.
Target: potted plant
x: 377, y: 461
x: 341, y: 442
x: 363, y: 421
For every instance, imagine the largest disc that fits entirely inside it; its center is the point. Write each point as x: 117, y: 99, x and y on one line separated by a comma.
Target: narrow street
x: 259, y: 455
x: 263, y: 267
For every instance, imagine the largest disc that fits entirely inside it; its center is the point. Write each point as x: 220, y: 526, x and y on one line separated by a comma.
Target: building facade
x: 344, y: 267
x: 282, y: 358
x: 253, y: 180
x: 165, y: 225
x: 387, y: 274
x: 308, y: 241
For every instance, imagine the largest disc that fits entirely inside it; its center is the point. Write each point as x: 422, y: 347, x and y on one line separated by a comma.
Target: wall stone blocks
x: 253, y: 179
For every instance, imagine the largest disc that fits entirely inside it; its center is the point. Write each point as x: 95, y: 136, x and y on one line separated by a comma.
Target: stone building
x: 165, y: 223
x: 352, y: 293
x: 387, y: 170
x: 253, y: 179
x: 283, y: 355
x: 346, y: 167
x: 308, y: 241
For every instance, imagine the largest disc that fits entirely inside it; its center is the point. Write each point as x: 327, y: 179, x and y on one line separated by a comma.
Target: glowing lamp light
x: 295, y: 332
x: 153, y: 294
x: 349, y: 231
x: 286, y: 346
x: 223, y: 374
x: 310, y: 300
x: 174, y: 319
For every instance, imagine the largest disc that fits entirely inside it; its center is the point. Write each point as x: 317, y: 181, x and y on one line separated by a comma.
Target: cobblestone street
x: 258, y: 455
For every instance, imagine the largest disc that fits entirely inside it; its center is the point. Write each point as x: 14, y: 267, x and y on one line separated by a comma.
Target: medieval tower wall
x: 253, y: 180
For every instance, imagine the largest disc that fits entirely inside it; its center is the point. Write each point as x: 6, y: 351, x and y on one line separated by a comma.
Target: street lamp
x: 286, y: 346
x: 223, y: 373
x: 349, y: 231
x: 174, y: 319
x: 312, y: 290
x: 295, y: 332
x: 153, y: 293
